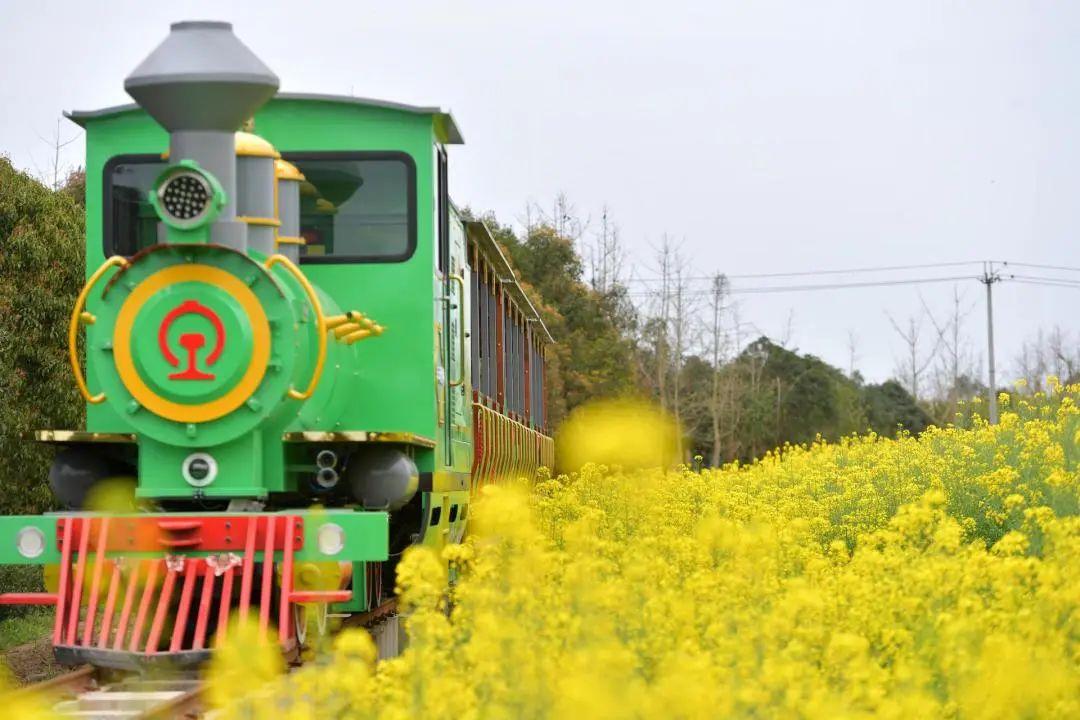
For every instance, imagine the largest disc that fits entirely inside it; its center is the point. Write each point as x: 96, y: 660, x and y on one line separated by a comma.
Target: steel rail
x: 366, y: 619
x: 86, y: 681
x: 70, y: 683
x: 189, y: 705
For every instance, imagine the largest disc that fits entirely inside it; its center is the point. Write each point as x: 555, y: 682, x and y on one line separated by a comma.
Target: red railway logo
x: 191, y: 342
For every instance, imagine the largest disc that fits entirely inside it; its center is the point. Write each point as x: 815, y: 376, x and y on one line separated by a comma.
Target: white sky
x: 768, y: 136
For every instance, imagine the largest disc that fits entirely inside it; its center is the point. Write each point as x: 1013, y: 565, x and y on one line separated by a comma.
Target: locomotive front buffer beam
x: 137, y: 589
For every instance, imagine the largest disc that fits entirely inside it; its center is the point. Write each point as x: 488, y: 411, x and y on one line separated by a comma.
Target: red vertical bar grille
x: 191, y: 571
x: 168, y: 604
x: 62, y: 584
x: 286, y: 582
x: 248, y: 571
x: 95, y: 587
x: 203, y: 618
x: 130, y: 592
x: 144, y: 605
x: 164, y: 599
x: 267, y: 578
x: 76, y: 587
x: 110, y: 607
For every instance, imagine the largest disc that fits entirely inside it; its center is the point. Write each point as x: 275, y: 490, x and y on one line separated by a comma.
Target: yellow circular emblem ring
x: 260, y: 343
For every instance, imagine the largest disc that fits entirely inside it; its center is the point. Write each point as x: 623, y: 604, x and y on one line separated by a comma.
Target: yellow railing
x: 507, y: 448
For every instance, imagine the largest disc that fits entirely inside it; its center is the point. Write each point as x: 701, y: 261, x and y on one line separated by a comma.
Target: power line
x: 1044, y: 283
x: 840, y: 286
x: 858, y: 270
x: 806, y: 273
x: 821, y: 286
x: 1041, y: 267
x: 1062, y: 281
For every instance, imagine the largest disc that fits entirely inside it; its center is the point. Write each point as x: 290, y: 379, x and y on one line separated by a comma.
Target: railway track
x: 87, y: 693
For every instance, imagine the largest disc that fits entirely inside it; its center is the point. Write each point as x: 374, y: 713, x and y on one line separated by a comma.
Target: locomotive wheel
x: 303, y: 615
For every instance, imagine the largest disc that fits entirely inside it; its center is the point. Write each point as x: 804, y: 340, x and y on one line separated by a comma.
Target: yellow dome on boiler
x: 251, y: 145
x: 285, y: 170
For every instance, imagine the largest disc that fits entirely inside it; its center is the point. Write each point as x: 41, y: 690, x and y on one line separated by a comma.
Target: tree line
x: 735, y: 392
x: 42, y: 261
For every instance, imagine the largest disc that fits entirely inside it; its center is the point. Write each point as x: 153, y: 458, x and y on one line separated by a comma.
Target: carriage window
x: 357, y: 207
x: 130, y: 221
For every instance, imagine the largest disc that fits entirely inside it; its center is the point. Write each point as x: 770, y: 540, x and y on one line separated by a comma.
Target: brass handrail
x: 79, y: 317
x: 320, y: 323
x: 461, y: 330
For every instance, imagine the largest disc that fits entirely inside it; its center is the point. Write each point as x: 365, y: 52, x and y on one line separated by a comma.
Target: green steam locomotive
x: 297, y: 352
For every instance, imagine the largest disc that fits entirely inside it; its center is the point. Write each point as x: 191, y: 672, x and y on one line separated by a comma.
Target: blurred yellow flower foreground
x: 937, y: 577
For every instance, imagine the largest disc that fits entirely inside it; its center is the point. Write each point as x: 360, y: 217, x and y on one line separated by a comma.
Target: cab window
x: 357, y: 207
x: 130, y: 221
x: 354, y: 207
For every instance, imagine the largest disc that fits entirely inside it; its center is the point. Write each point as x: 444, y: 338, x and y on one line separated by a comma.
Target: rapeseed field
x: 896, y: 578
x: 874, y: 577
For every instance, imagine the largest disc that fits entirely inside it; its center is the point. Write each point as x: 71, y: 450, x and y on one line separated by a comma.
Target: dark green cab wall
x: 395, y: 389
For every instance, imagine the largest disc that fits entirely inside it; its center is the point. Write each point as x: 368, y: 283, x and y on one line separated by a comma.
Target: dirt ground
x: 32, y: 662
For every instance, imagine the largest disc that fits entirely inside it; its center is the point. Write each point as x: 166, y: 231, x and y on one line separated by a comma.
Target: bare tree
x: 683, y: 311
x: 1064, y: 355
x: 673, y: 315
x: 1031, y: 363
x: 1054, y: 353
x: 916, y: 359
x: 956, y: 360
x: 665, y: 259
x: 717, y: 341
x: 853, y: 348
x: 606, y: 256
x: 563, y: 218
x: 58, y: 171
x: 787, y: 332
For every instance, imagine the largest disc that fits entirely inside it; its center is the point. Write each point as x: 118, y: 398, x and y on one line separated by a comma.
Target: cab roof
x: 445, y: 126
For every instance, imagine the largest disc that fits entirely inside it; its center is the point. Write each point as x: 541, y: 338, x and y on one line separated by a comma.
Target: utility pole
x: 989, y: 277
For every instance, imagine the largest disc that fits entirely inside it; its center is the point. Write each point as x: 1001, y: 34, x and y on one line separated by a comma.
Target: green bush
x: 42, y: 251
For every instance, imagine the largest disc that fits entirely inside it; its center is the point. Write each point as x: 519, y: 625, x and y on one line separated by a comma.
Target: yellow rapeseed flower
x: 872, y: 577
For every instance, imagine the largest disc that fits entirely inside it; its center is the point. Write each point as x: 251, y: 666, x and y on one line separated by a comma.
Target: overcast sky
x: 765, y: 136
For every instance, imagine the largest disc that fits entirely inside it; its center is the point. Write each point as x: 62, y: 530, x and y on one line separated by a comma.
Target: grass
x: 33, y: 625
x: 20, y: 625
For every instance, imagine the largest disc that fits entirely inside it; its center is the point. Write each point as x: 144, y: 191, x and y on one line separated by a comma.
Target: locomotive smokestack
x: 201, y: 83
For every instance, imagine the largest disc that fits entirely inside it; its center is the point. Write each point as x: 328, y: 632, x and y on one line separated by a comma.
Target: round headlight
x: 326, y: 459
x: 185, y: 196
x: 30, y: 542
x: 327, y: 478
x: 199, y: 469
x: 331, y: 539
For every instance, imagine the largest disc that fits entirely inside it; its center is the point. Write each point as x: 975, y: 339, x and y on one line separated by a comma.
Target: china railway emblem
x: 191, y: 342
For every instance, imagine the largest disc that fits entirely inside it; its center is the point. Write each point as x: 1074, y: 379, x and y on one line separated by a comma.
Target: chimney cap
x: 201, y: 77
